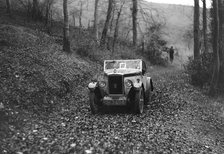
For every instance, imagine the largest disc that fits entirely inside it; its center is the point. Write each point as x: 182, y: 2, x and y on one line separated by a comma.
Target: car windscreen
x: 122, y: 64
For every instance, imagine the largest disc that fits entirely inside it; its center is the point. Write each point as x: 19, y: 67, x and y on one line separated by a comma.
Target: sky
x: 183, y: 2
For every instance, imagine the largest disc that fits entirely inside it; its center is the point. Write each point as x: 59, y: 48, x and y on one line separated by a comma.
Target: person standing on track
x: 171, y: 52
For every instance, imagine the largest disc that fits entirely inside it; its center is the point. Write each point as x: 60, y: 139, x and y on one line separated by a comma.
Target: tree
x: 29, y: 10
x: 134, y: 21
x: 96, y: 20
x: 66, y: 40
x: 221, y: 44
x: 75, y: 14
x: 48, y: 5
x: 36, y: 14
x: 196, y: 29
x: 221, y: 31
x: 80, y: 14
x: 48, y: 15
x: 205, y: 26
x: 8, y: 7
x: 117, y: 25
x: 107, y: 22
x: 74, y: 21
x: 217, y: 65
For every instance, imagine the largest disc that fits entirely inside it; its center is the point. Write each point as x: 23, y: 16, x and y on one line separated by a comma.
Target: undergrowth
x: 200, y: 69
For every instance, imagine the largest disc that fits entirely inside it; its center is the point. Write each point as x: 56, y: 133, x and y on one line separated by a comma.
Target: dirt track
x: 171, y: 125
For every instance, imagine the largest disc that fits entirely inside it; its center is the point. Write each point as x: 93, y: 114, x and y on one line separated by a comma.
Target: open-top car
x: 123, y: 83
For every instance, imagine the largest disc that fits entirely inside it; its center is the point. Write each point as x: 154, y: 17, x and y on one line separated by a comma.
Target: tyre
x: 148, y: 98
x: 94, y: 103
x: 139, y: 102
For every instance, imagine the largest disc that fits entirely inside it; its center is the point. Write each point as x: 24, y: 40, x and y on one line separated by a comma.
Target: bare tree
x: 66, y: 40
x: 111, y: 27
x: 216, y: 70
x: 48, y: 5
x: 74, y: 13
x: 134, y: 21
x: 205, y: 26
x: 196, y: 29
x: 80, y: 13
x: 107, y: 22
x: 74, y: 21
x: 8, y: 7
x: 188, y: 37
x: 221, y: 32
x: 29, y: 10
x: 117, y: 25
x: 96, y: 20
x: 35, y: 10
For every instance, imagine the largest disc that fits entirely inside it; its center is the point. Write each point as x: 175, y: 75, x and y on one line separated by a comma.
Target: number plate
x: 114, y: 102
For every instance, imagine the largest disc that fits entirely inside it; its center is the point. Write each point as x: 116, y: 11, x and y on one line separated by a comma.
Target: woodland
x: 51, y: 49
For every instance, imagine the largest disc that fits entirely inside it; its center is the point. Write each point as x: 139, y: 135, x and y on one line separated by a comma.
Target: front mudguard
x: 94, y: 88
x: 137, y: 86
x: 132, y: 92
x: 136, y: 89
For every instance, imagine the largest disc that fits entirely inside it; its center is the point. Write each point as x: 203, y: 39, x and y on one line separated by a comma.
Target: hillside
x: 178, y: 20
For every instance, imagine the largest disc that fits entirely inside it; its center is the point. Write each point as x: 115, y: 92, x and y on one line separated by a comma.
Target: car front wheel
x: 94, y: 103
x: 139, y: 102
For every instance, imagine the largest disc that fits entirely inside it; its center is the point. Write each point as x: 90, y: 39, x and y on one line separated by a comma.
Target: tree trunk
x: 49, y: 4
x: 47, y: 15
x: 112, y: 20
x: 221, y: 41
x: 205, y: 26
x: 196, y: 29
x: 8, y: 7
x: 107, y: 22
x: 221, y: 28
x: 29, y: 10
x: 51, y: 18
x: 80, y: 15
x: 66, y: 41
x: 35, y: 10
x: 134, y: 20
x: 216, y: 70
x: 73, y: 16
x: 96, y: 34
x: 117, y: 26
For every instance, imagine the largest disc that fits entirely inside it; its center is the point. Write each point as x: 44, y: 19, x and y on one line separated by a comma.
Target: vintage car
x: 123, y: 83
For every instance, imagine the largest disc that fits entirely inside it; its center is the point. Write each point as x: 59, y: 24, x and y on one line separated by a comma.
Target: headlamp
x: 102, y: 84
x: 128, y: 83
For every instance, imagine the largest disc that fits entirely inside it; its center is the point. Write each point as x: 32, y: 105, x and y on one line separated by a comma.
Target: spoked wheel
x: 139, y: 102
x: 94, y: 103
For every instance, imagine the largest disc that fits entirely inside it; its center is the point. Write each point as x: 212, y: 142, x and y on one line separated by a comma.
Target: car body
x: 122, y: 83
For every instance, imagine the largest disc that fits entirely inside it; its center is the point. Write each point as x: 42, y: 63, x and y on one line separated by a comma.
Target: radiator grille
x: 115, y: 84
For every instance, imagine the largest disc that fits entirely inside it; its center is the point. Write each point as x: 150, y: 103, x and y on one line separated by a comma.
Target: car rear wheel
x: 139, y: 102
x: 94, y: 103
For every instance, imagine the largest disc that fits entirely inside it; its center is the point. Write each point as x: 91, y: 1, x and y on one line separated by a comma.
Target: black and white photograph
x: 111, y: 76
